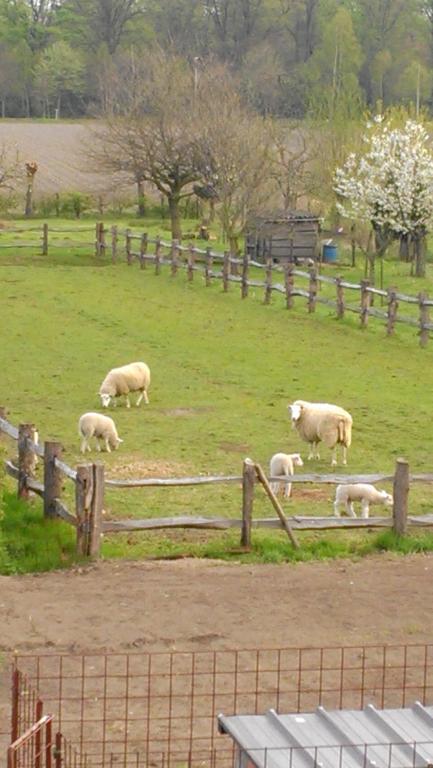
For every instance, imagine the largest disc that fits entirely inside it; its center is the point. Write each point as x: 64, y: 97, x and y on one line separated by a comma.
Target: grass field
x: 223, y: 372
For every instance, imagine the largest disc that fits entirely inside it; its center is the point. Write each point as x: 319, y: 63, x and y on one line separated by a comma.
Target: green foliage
x: 28, y: 543
x: 75, y: 203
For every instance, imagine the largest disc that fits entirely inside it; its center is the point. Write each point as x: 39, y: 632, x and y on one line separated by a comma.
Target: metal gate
x: 34, y: 742
x: 35, y: 747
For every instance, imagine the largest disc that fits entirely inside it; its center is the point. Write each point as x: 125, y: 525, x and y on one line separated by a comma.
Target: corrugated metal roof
x: 368, y: 738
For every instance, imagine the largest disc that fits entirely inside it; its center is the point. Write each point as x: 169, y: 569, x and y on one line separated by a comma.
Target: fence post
x: 392, y: 312
x: 157, y: 256
x: 102, y: 244
x: 365, y: 302
x: 58, y: 759
x: 423, y: 319
x: 45, y: 239
x: 268, y: 280
x: 401, y: 492
x: 15, y: 703
x: 174, y: 255
x: 244, y: 278
x: 128, y: 247
x: 143, y: 250
x: 114, y: 241
x: 26, y: 458
x: 96, y: 510
x: 288, y: 283
x: 208, y: 266
x: 83, y: 500
x: 312, y: 291
x: 191, y: 258
x: 58, y: 751
x: 226, y: 271
x: 97, y: 238
x: 248, y: 482
x: 52, y: 477
x: 340, y: 298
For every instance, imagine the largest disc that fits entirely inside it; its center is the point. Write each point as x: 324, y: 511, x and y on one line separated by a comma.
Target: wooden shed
x: 285, y: 236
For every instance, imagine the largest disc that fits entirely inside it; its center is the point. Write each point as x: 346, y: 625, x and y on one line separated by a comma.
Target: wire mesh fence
x: 161, y: 709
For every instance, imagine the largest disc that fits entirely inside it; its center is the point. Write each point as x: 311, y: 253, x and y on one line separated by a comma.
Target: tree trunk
x: 404, y: 248
x: 371, y: 258
x: 29, y: 198
x: 234, y: 244
x: 141, y: 207
x: 173, y: 207
x: 420, y: 252
x: 211, y: 209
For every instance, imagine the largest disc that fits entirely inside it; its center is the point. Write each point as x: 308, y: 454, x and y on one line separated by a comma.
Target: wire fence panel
x: 161, y: 709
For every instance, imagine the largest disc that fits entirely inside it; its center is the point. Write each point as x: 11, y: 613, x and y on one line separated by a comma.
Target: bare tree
x: 150, y: 135
x: 291, y: 160
x: 234, y: 151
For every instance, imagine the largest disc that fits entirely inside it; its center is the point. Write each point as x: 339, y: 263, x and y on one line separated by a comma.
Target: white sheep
x: 316, y: 422
x: 365, y: 493
x: 134, y: 377
x: 99, y: 426
x: 283, y: 464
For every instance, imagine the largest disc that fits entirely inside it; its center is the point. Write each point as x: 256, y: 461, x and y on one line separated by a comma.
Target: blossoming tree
x: 391, y: 186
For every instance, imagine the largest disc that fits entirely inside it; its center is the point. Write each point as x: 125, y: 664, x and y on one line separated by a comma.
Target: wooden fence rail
x: 230, y: 268
x: 90, y: 484
x: 213, y: 265
x: 54, y: 237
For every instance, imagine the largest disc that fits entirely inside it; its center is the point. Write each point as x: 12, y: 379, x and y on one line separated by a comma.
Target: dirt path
x: 193, y: 604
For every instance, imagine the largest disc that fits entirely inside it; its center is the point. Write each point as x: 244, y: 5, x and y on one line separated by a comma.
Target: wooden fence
x: 90, y: 483
x: 230, y: 268
x: 281, y: 279
x: 48, y: 237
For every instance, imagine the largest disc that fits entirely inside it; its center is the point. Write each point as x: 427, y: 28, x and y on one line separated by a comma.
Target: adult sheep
x: 365, y: 493
x: 100, y: 426
x: 322, y: 422
x: 134, y: 377
x: 284, y: 464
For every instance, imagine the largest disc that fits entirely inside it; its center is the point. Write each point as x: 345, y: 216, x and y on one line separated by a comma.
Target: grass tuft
x: 28, y: 542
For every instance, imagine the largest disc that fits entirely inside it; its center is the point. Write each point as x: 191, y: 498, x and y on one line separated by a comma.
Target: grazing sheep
x: 318, y: 422
x: 134, y: 377
x: 365, y: 493
x: 101, y: 427
x: 283, y: 464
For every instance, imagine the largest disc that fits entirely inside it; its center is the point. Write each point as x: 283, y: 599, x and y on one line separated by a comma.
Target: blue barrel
x: 329, y: 253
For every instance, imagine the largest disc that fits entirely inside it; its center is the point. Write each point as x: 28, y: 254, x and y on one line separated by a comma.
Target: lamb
x: 365, y: 493
x: 134, y: 377
x: 99, y: 426
x: 318, y: 422
x: 283, y: 464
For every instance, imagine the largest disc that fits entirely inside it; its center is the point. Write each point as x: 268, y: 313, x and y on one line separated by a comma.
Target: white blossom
x: 391, y: 184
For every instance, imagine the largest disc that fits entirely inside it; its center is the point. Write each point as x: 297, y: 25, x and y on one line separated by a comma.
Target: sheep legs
x: 85, y: 445
x: 314, y: 451
x: 350, y: 511
x: 143, y: 394
x: 365, y: 508
x: 334, y: 456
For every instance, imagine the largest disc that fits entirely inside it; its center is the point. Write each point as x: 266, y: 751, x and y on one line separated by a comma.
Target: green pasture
x: 223, y: 371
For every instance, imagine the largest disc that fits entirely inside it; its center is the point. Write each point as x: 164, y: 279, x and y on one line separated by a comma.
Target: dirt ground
x: 193, y: 604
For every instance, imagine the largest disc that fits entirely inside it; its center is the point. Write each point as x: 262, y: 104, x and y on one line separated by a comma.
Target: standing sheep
x: 283, y: 464
x: 318, y: 422
x: 134, y: 377
x: 365, y: 493
x: 101, y: 427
